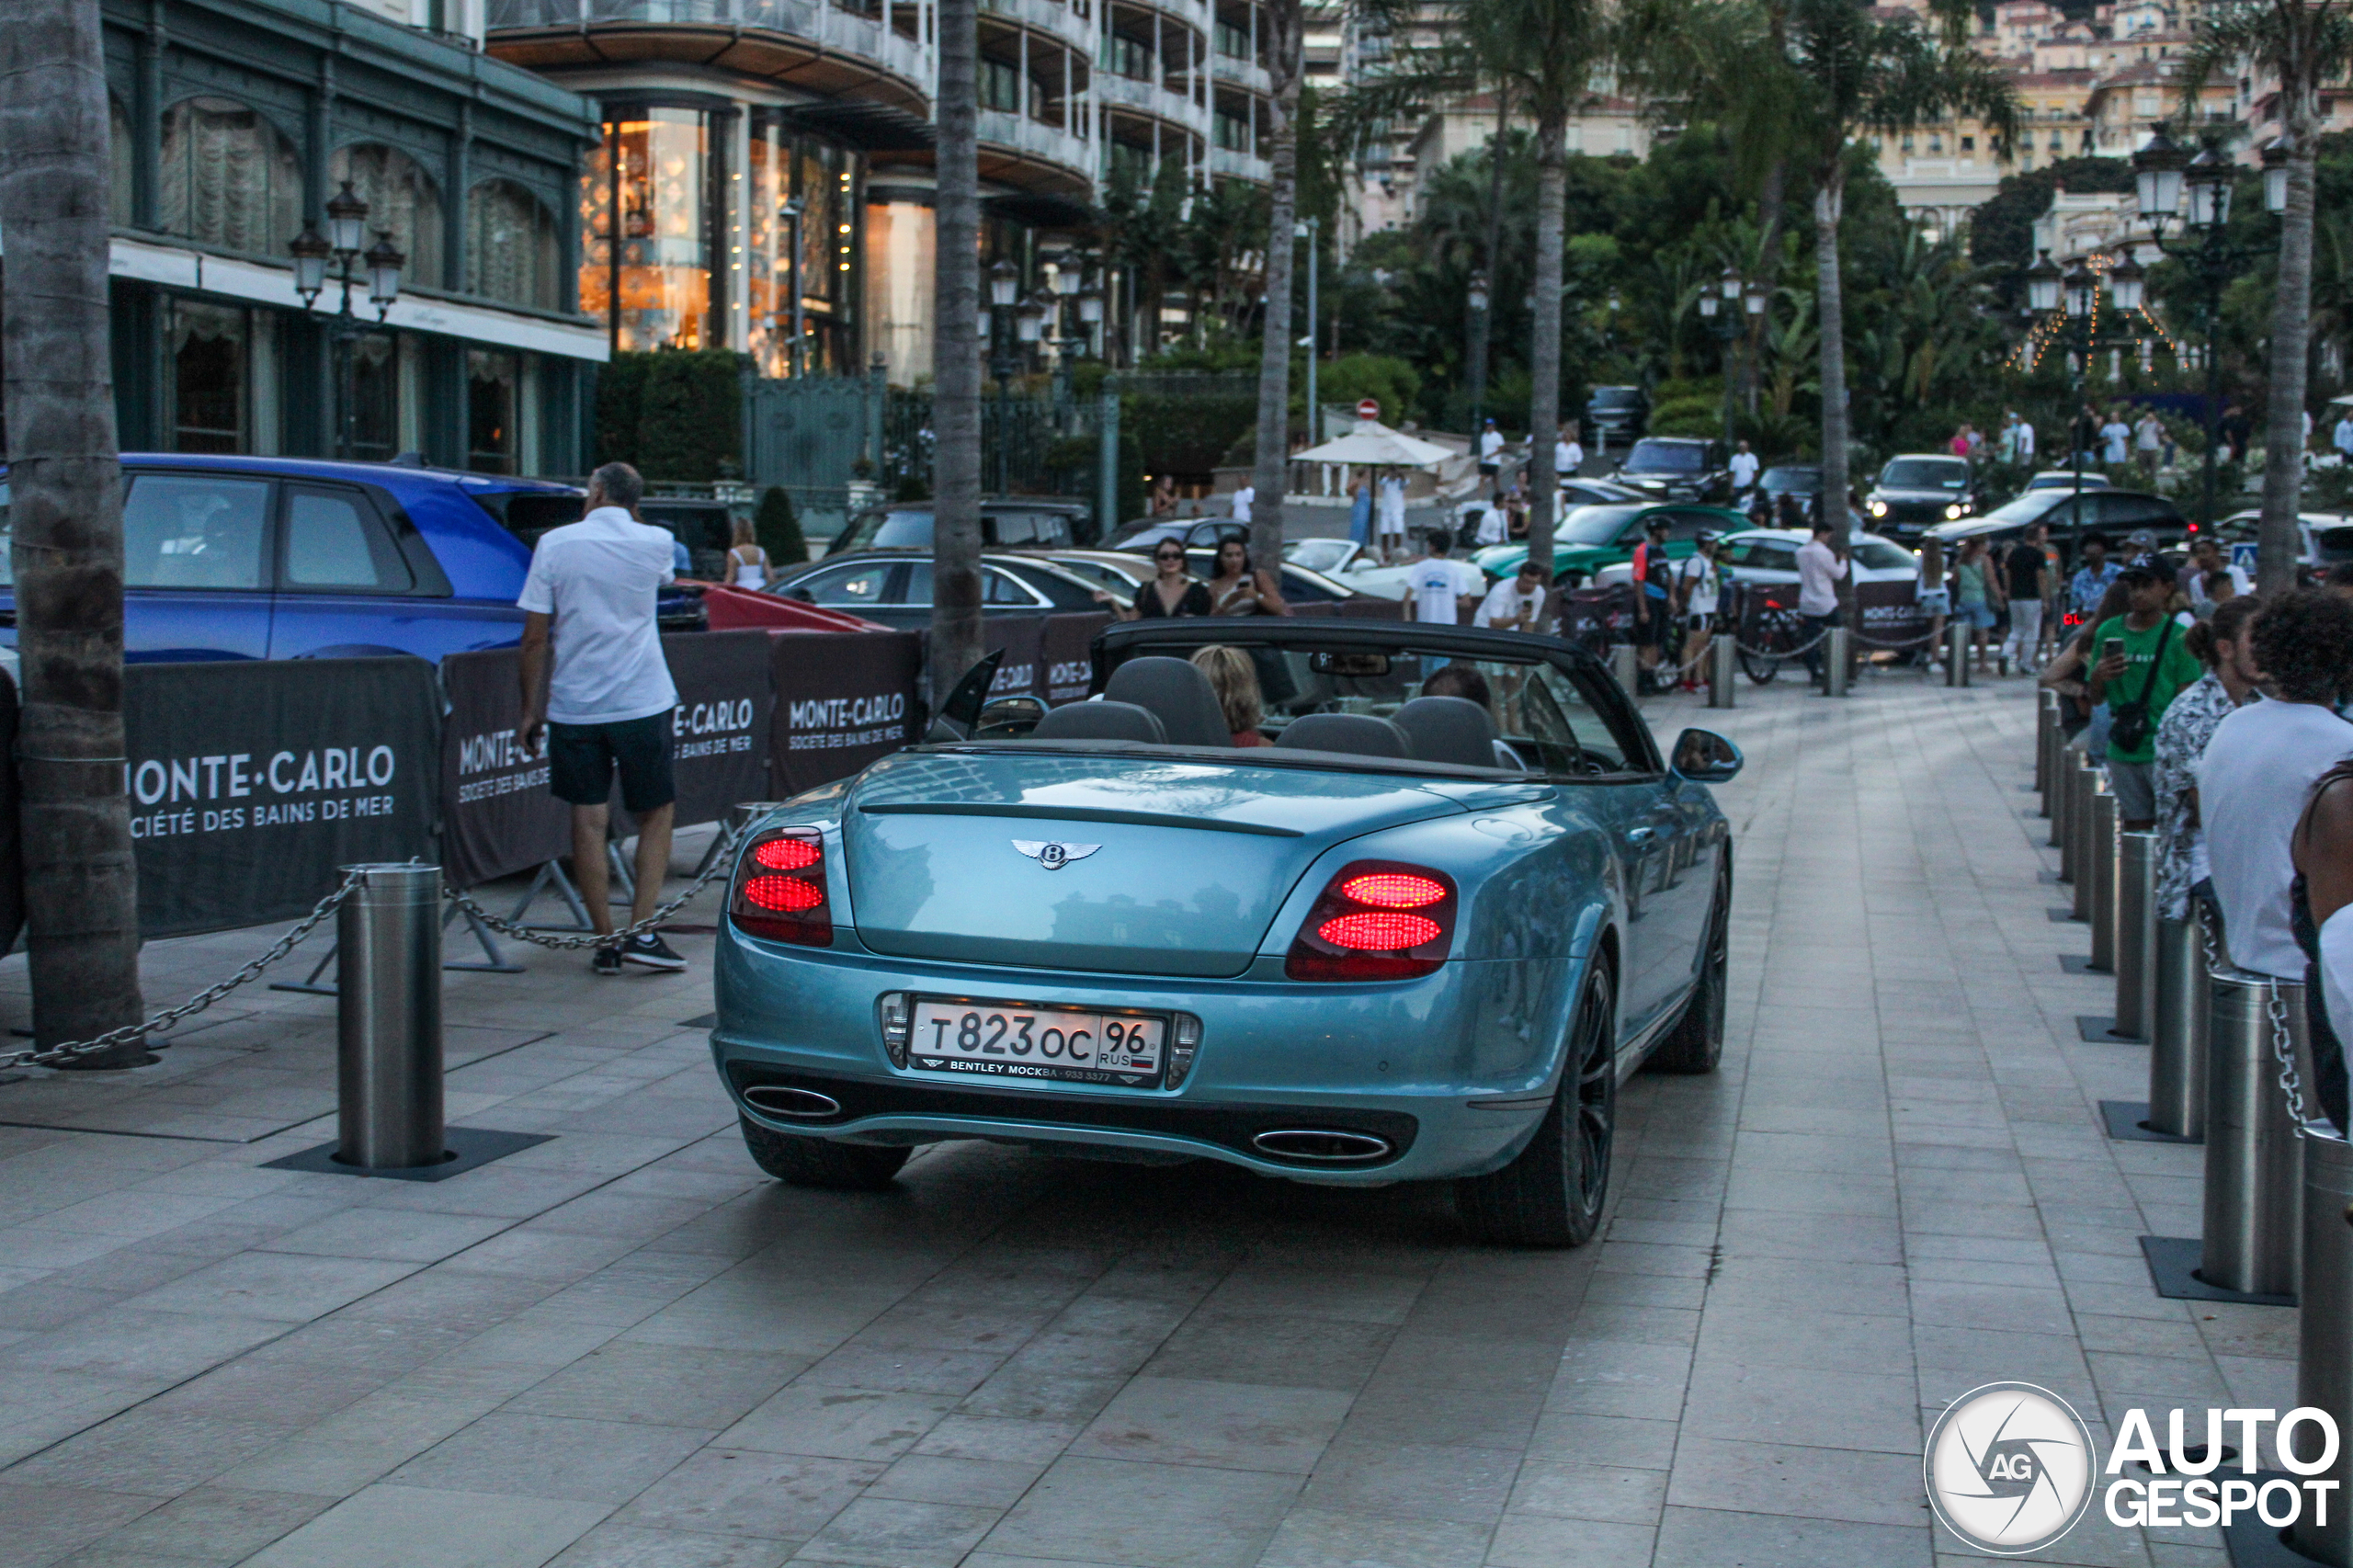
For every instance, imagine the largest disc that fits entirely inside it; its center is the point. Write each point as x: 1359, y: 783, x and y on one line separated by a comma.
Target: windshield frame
x: 1661, y: 445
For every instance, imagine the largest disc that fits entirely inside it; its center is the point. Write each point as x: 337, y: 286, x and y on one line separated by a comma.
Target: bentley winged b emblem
x: 1051, y: 856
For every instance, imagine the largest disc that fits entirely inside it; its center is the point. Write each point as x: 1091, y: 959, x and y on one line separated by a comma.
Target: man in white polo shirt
x: 592, y: 586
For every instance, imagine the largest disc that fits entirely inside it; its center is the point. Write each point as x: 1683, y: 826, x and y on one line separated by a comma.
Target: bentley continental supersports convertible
x: 1425, y: 934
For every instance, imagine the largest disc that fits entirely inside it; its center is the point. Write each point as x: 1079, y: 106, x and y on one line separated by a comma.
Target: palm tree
x: 956, y: 635
x: 2302, y: 44
x: 81, y: 887
x: 1858, y: 72
x: 1281, y: 31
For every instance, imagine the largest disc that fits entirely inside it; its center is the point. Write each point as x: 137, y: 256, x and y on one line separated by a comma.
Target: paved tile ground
x: 626, y: 1347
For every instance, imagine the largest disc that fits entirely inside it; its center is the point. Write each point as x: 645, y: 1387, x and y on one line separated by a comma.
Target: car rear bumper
x: 1437, y: 1069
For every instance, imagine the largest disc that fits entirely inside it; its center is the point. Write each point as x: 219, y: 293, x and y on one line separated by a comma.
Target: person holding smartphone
x: 2141, y: 663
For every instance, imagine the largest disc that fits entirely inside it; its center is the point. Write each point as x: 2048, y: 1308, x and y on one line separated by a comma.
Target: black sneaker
x: 608, y: 962
x: 650, y: 949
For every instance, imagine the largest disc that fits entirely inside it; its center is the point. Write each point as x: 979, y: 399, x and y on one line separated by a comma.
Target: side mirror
x: 962, y: 711
x: 1705, y: 757
x: 1008, y: 717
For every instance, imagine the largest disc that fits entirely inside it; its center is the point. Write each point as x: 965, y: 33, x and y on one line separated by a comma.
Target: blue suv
x: 292, y: 558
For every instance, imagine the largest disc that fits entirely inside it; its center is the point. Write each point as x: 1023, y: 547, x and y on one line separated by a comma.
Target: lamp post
x: 1475, y: 299
x: 1725, y: 291
x: 2164, y: 173
x: 798, y: 314
x: 1005, y: 287
x: 381, y: 265
x: 1754, y: 298
x: 1309, y: 229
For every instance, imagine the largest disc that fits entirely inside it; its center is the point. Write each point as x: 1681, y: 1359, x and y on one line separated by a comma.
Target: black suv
x: 1918, y: 491
x: 1619, y: 412
x: 1678, y: 468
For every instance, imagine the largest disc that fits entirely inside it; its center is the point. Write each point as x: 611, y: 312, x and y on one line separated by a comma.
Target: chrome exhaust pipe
x: 779, y: 1099
x: 1324, y: 1145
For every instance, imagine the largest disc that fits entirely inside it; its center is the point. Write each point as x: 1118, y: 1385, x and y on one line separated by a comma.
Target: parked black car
x: 893, y: 587
x: 1012, y: 524
x: 2114, y: 514
x: 1615, y: 414
x: 1919, y: 491
x: 1678, y: 468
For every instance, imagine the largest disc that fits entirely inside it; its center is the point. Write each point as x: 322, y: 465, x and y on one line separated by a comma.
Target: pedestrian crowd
x: 2220, y: 722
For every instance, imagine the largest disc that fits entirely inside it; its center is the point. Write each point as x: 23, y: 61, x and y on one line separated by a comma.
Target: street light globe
x: 311, y: 253
x: 2209, y: 179
x: 384, y: 264
x: 2275, y: 175
x: 346, y: 221
x: 1709, y: 305
x: 2157, y: 170
x: 2080, y: 287
x: 1090, y: 307
x: 1003, y: 283
x: 2124, y: 282
x: 1729, y: 284
x: 1755, y: 299
x: 2043, y: 286
x: 1066, y: 278
x: 1478, y: 290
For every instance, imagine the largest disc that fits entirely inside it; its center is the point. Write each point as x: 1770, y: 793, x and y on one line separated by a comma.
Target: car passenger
x: 1235, y: 680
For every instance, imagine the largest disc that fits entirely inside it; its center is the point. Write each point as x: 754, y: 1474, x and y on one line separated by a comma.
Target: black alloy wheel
x: 1551, y: 1193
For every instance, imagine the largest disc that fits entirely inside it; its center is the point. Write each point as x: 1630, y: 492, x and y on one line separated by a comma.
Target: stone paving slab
x: 626, y: 1347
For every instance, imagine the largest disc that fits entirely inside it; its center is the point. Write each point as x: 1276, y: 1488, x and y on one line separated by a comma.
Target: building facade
x: 765, y: 179
x: 234, y: 122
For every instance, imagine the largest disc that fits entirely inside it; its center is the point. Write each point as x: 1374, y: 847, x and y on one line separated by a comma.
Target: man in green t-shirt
x: 2141, y: 663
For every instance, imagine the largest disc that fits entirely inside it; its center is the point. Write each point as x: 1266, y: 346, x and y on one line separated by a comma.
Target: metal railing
x: 830, y: 26
x: 1004, y: 128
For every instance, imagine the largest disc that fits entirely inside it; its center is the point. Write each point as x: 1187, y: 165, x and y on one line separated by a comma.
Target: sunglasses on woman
x: 1169, y: 555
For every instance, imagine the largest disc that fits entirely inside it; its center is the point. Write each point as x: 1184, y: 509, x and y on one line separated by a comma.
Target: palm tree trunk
x: 2277, y: 537
x: 1829, y: 202
x: 81, y: 884
x: 1282, y: 20
x: 1544, y: 353
x: 1482, y: 321
x: 956, y: 638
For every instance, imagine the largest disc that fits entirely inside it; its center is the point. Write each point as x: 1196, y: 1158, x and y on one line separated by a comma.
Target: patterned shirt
x: 2189, y: 723
x: 2087, y: 587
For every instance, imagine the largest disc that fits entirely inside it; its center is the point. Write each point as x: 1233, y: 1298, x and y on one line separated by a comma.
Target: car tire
x: 1551, y: 1194
x: 821, y: 1161
x: 1697, y: 1042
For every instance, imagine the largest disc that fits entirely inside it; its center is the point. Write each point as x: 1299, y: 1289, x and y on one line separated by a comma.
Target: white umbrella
x: 1374, y: 445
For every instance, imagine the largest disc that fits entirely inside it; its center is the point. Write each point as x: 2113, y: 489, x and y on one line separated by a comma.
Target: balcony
x: 806, y: 43
x: 1048, y: 16
x: 1247, y: 74
x: 1026, y: 153
x: 1150, y: 98
x: 1226, y: 164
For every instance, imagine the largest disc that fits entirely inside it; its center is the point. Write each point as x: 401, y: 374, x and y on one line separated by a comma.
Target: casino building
x: 235, y: 123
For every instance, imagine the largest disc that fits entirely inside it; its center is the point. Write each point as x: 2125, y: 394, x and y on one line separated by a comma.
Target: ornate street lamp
x: 1729, y: 284
x: 1005, y: 284
x: 2157, y: 172
x: 2082, y: 289
x: 2209, y: 178
x: 2275, y: 175
x: 379, y: 269
x: 2043, y: 286
x: 1755, y: 298
x: 2124, y: 283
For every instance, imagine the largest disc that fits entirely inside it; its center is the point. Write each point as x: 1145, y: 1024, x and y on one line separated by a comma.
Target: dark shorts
x: 581, y: 759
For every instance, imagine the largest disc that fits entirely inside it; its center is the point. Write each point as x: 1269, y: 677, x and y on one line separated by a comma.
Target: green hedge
x: 1184, y: 435
x: 675, y: 413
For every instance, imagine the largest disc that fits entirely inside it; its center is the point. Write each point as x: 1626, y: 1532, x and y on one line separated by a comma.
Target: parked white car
x: 1771, y: 555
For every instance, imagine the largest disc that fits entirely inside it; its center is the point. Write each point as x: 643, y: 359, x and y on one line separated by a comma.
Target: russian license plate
x: 999, y: 1039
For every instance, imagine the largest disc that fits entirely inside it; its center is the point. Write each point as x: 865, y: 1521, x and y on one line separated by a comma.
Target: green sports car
x: 1589, y: 537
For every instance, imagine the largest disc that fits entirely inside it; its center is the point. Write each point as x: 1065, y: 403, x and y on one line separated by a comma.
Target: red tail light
x: 1376, y: 920
x: 781, y: 888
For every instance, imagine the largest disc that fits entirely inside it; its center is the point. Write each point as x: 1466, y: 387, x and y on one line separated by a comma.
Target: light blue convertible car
x: 1423, y: 935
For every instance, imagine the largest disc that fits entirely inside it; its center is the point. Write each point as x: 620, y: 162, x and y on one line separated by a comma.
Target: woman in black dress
x: 1172, y: 592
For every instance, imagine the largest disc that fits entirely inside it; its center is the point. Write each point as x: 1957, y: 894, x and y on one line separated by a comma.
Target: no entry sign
x: 1369, y: 408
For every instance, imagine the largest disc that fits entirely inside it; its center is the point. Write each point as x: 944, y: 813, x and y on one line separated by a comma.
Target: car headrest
x: 1179, y: 694
x: 1099, y: 722
x: 1449, y: 729
x: 1361, y: 734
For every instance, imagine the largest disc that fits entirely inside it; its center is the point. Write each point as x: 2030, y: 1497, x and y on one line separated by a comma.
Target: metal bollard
x: 2099, y: 865
x: 2090, y: 788
x: 1837, y: 661
x: 1626, y: 667
x: 2254, y: 1172
x: 2062, y: 797
x: 388, y: 1019
x: 1724, y: 669
x: 1957, y: 653
x: 2177, y: 1031
x: 2042, y: 728
x: 2325, y: 1337
x: 2136, y: 933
